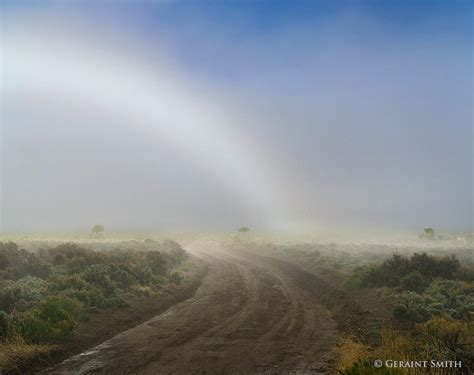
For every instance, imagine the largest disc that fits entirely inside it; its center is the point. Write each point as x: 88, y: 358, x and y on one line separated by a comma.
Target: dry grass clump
x: 440, y: 339
x: 349, y: 351
x: 395, y: 345
x: 15, y: 352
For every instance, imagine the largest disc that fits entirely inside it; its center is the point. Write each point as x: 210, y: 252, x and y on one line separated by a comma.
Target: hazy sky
x: 216, y: 114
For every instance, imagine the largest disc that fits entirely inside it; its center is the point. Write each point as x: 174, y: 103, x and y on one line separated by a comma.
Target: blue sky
x: 217, y: 26
x: 361, y: 110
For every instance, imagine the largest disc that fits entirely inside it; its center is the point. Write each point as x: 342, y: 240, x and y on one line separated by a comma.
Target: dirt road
x: 248, y: 317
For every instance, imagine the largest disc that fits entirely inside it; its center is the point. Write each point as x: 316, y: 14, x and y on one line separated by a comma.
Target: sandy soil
x: 251, y: 315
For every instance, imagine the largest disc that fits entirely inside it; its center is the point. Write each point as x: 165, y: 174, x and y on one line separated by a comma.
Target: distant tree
x: 97, y: 229
x: 244, y: 230
x: 428, y: 233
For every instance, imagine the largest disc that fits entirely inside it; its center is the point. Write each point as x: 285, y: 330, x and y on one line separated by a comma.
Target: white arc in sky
x: 153, y: 99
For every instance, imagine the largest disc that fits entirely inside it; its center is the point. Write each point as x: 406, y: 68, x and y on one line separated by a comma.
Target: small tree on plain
x: 428, y: 233
x: 97, y: 230
x: 244, y: 230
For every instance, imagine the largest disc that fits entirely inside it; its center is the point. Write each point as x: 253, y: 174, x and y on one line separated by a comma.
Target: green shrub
x: 56, y: 309
x: 63, y: 282
x: 175, y: 278
x: 44, y: 291
x: 52, y: 321
x: 9, y: 253
x: 39, y: 331
x: 455, y: 297
x: 414, y: 281
x: 59, y: 259
x: 92, y: 297
x: 411, y: 307
x: 32, y: 265
x: 156, y: 262
x: 94, y: 287
x: 74, y: 257
x: 122, y: 276
x: 174, y: 253
x: 98, y: 276
x: 31, y: 288
x: 7, y: 296
x: 394, y: 270
x: 448, y: 298
x: 69, y: 250
x: 22, y: 294
x: 143, y: 273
